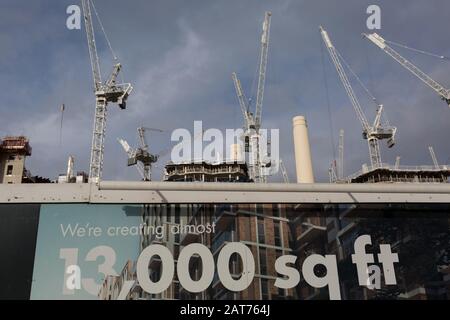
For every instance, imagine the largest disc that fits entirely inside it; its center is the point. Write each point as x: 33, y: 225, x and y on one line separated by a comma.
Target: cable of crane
x: 418, y: 50
x: 104, y: 32
x: 371, y: 96
x: 371, y: 82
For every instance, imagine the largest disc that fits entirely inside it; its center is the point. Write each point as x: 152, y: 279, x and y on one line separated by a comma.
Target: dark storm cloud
x: 179, y: 55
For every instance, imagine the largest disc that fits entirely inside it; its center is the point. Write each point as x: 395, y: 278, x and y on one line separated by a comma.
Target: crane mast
x: 371, y: 133
x: 332, y: 172
x: 108, y: 92
x: 340, y: 170
x: 142, y: 140
x: 380, y: 42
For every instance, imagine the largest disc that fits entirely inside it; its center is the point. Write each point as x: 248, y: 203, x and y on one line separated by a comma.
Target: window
x: 261, y: 231
x: 234, y: 265
x: 177, y: 214
x: 9, y: 170
x: 275, y: 210
x: 262, y: 261
x: 176, y: 290
x: 259, y: 208
x: 264, y: 289
x: 169, y: 213
x: 11, y: 158
x: 277, y: 233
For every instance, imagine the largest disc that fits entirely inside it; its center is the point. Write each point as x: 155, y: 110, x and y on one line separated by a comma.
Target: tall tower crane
x: 340, y: 169
x: 332, y: 172
x: 336, y: 169
x: 141, y: 156
x: 380, y: 42
x: 105, y: 92
x: 252, y: 121
x: 372, y: 133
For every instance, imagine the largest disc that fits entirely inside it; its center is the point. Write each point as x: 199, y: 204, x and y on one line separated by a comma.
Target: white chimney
x: 303, y: 161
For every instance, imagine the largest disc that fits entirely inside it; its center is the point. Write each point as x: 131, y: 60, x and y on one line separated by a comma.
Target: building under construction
x: 13, y: 151
x: 387, y: 173
x: 206, y: 172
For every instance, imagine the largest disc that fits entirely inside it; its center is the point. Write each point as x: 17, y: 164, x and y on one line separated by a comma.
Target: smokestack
x: 303, y: 162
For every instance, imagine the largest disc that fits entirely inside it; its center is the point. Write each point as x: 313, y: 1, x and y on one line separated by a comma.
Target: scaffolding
x: 206, y: 172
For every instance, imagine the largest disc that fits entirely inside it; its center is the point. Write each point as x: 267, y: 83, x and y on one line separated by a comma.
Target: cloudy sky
x: 179, y: 55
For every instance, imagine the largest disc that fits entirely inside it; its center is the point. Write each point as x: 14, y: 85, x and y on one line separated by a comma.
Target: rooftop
x: 19, y: 144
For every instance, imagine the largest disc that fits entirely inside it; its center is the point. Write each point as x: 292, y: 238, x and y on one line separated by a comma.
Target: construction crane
x: 336, y: 169
x: 284, y: 171
x: 141, y: 156
x: 433, y: 157
x: 252, y: 122
x: 332, y: 172
x: 130, y: 152
x: 341, y: 155
x: 105, y: 92
x: 380, y: 42
x: 372, y: 133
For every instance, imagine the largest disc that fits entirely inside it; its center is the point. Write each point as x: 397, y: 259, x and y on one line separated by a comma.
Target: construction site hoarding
x: 235, y: 251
